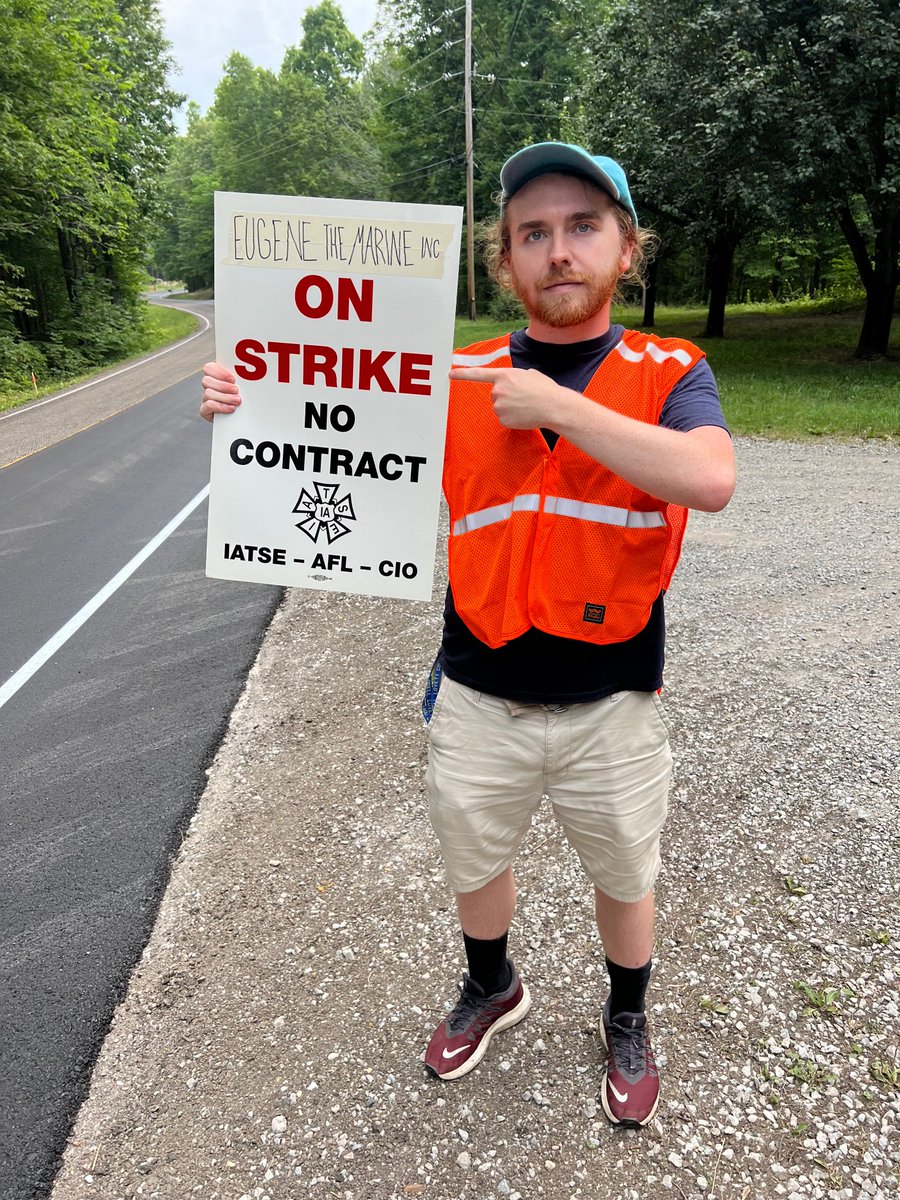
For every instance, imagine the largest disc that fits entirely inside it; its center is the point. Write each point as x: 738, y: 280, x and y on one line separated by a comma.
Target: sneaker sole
x: 513, y: 1017
x: 628, y: 1123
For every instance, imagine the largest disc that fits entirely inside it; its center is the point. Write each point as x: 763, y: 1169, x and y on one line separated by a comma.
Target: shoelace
x: 631, y: 1046
x: 469, y: 1008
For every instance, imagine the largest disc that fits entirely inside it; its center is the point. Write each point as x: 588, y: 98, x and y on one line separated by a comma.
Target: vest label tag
x: 595, y: 613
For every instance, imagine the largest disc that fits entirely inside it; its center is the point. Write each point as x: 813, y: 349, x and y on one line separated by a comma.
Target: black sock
x: 628, y: 987
x: 487, y: 962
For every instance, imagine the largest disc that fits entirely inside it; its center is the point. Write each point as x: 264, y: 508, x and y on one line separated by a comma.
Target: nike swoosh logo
x: 612, y: 1087
x: 453, y: 1053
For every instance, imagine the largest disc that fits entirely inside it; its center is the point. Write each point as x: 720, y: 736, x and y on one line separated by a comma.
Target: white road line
x: 17, y: 412
x: 60, y: 638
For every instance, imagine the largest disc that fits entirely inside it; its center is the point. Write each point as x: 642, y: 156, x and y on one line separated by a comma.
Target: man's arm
x: 693, y: 468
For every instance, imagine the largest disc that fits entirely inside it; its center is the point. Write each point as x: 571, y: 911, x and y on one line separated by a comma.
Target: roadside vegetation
x: 86, y: 124
x: 155, y: 326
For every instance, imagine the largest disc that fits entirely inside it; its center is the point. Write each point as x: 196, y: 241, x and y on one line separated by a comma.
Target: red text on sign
x: 314, y: 297
x: 324, y: 366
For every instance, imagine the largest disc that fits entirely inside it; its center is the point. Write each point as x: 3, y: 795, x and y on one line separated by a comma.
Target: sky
x: 204, y: 32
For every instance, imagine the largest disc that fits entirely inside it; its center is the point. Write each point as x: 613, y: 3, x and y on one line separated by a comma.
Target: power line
x: 448, y: 45
x: 484, y: 109
x: 509, y: 41
x: 424, y: 88
x: 288, y: 141
x: 454, y: 158
x: 428, y: 124
x: 530, y: 82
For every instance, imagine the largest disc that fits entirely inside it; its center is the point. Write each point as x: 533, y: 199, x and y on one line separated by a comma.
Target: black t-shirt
x: 541, y: 668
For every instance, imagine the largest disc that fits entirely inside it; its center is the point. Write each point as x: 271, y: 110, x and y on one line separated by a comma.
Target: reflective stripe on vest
x: 603, y: 514
x: 658, y: 355
x: 480, y: 360
x: 497, y: 512
x: 632, y: 356
x: 581, y: 510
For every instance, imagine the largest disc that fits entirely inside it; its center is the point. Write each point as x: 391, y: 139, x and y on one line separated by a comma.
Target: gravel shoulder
x: 268, y: 1047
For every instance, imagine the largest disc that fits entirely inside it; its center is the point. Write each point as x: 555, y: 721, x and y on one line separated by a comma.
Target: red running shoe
x: 460, y: 1042
x: 629, y: 1089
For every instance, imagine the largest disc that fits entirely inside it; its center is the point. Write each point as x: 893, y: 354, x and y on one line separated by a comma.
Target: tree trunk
x: 719, y: 263
x: 875, y: 335
x: 32, y: 319
x: 777, y: 279
x: 650, y: 295
x: 815, y: 282
x: 67, y: 262
x: 42, y: 321
x: 880, y: 278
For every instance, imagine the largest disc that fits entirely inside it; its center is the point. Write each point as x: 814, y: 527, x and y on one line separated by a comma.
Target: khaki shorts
x: 605, y: 767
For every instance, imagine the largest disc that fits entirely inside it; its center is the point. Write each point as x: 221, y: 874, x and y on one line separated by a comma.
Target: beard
x: 564, y: 309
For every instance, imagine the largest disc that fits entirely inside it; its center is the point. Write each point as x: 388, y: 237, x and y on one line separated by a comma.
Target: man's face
x: 566, y: 250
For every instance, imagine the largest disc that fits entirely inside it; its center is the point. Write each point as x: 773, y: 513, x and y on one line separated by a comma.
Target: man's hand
x: 521, y: 399
x: 220, y: 391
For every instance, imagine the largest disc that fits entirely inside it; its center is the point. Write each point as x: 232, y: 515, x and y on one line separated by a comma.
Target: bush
x: 18, y: 359
x: 97, y: 328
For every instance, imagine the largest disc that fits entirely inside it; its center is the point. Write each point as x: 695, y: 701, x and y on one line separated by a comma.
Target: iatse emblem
x: 325, y: 512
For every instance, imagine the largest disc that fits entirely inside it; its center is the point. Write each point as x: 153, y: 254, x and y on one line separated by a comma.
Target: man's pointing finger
x: 479, y: 374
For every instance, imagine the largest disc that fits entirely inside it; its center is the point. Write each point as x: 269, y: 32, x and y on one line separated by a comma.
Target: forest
x: 762, y: 141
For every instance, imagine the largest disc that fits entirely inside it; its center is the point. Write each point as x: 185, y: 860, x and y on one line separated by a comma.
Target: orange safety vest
x: 553, y: 539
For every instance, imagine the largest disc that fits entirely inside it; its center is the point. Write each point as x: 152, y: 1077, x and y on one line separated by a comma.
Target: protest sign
x: 337, y: 318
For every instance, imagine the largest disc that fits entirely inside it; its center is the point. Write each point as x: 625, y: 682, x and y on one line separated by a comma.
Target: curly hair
x: 494, y: 237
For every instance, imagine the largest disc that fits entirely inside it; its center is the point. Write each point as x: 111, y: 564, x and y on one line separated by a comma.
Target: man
x: 574, y: 449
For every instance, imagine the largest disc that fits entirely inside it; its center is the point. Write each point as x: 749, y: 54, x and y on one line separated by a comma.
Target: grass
x: 784, y: 371
x: 806, y: 1071
x: 165, y: 325
x: 819, y: 1000
x: 160, y: 327
x: 793, y: 887
x: 887, y: 1073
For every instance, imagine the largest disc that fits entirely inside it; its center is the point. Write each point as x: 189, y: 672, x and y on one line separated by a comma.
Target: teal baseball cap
x: 543, y: 158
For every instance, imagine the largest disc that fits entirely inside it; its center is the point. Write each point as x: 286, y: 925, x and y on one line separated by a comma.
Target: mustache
x: 560, y: 276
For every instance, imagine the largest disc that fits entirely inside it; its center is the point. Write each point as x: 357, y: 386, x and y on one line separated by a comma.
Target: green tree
x: 253, y: 141
x: 739, y: 118
x: 84, y: 129
x: 322, y: 85
x: 845, y: 138
x: 184, y: 248
x: 689, y: 93
x: 328, y: 53
x: 527, y: 59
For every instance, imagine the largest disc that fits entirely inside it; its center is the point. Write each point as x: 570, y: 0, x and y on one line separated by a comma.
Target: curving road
x: 119, y: 666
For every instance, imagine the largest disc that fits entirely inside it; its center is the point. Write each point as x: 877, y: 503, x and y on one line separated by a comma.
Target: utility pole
x: 470, y: 170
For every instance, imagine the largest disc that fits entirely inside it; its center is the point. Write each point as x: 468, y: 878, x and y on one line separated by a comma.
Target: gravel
x: 269, y: 1044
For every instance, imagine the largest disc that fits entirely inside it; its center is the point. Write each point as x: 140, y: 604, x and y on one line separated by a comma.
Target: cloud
x: 204, y: 33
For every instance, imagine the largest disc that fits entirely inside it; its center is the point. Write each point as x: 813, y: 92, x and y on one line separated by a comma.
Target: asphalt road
x: 104, y: 748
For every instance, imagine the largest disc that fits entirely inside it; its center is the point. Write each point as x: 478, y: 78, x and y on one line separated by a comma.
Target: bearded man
x: 574, y: 450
